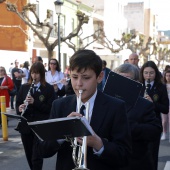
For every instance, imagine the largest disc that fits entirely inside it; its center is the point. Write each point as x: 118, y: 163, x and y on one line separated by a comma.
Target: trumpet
x: 147, y: 87
x: 28, y: 94
x: 80, y: 161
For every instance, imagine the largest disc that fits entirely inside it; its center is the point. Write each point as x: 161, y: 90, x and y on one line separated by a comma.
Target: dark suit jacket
x: 43, y: 98
x: 145, y: 127
x: 159, y: 95
x: 109, y: 121
x: 100, y: 85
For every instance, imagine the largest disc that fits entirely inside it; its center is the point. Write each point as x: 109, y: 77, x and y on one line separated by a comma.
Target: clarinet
x: 146, y: 89
x: 28, y: 94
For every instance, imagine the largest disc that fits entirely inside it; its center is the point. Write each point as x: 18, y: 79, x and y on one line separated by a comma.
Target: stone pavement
x: 12, y: 154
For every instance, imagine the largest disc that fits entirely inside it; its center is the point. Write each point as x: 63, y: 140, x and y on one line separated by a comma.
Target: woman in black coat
x: 154, y: 91
x: 34, y: 102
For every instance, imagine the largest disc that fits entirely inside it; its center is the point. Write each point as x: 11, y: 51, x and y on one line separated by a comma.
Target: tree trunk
x: 50, y: 54
x: 158, y: 63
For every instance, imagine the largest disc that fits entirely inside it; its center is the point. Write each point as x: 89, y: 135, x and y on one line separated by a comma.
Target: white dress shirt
x: 91, y: 105
x: 54, y: 79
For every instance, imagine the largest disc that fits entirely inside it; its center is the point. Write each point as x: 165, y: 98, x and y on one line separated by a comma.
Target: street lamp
x: 58, y: 4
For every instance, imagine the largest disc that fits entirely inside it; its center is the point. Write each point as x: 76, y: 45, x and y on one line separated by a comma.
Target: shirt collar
x: 91, y: 101
x: 151, y: 83
x: 37, y: 85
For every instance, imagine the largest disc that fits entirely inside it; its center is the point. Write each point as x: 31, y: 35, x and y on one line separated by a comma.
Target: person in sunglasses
x: 54, y: 76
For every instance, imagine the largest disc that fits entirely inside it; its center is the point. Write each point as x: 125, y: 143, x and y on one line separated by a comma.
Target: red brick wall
x: 12, y: 38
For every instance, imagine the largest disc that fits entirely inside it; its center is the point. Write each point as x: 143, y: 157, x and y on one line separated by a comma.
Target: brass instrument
x: 28, y: 94
x: 146, y: 89
x: 81, y: 160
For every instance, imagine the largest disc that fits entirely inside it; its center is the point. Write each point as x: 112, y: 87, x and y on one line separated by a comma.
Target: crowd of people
x: 122, y: 140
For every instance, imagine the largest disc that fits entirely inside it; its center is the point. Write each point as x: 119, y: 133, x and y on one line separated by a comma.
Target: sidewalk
x: 12, y: 155
x: 164, y: 155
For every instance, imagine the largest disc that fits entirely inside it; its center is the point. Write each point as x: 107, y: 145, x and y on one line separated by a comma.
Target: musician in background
x: 145, y: 127
x: 157, y: 94
x: 38, y: 104
x: 105, y: 74
x: 109, y: 147
x: 54, y: 77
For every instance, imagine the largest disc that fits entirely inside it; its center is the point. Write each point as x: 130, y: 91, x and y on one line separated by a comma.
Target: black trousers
x: 154, y: 149
x: 34, y: 158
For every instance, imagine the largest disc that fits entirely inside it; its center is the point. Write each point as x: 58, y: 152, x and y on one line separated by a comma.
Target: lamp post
x: 58, y: 4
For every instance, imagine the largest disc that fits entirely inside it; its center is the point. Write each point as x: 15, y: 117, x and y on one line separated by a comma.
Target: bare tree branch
x: 35, y: 26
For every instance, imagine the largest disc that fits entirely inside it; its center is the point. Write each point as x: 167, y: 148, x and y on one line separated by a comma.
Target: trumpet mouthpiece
x: 80, y: 91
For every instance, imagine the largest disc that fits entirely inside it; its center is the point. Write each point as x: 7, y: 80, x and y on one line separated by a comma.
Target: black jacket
x: 109, y: 121
x: 159, y: 95
x: 43, y: 98
x: 145, y: 128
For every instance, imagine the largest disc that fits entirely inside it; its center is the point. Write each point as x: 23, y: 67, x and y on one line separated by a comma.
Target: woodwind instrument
x: 28, y: 94
x: 147, y: 87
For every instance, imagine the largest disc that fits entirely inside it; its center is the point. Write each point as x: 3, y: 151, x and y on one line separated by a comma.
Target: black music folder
x: 123, y: 88
x: 15, y: 116
x: 60, y: 128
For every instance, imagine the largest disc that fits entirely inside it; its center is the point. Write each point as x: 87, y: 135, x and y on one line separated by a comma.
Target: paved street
x: 12, y: 155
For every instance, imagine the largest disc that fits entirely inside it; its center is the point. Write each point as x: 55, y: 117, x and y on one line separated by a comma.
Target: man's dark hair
x: 26, y: 65
x: 39, y: 58
x: 104, y: 62
x: 38, y: 67
x: 86, y: 59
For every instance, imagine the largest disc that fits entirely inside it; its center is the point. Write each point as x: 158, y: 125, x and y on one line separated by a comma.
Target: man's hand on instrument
x: 93, y: 141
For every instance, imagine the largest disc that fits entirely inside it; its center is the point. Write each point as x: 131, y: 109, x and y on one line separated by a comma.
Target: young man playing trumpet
x: 109, y: 147
x: 33, y: 102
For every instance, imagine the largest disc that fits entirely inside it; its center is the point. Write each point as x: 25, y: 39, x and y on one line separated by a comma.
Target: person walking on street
x: 156, y: 93
x: 166, y: 117
x: 110, y: 145
x: 34, y: 106
x: 144, y: 125
x: 17, y: 75
x: 5, y: 84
